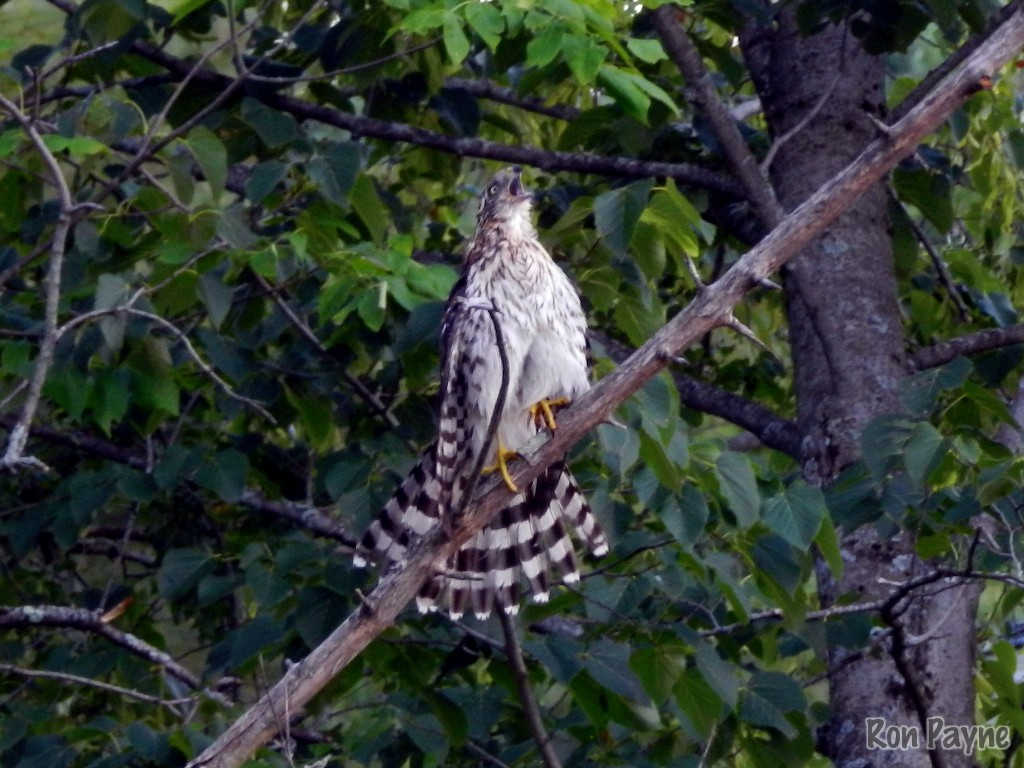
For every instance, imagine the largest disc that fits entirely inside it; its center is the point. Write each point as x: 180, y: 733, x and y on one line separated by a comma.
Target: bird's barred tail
x: 528, y: 538
x: 412, y: 510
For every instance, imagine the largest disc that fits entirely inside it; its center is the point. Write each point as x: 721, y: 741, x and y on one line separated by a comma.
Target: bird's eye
x: 493, y: 190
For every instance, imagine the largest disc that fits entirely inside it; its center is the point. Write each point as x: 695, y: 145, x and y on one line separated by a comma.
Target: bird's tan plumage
x: 505, y: 271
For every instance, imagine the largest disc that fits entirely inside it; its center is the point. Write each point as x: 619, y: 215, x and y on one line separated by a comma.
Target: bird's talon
x: 543, y: 412
x: 501, y: 465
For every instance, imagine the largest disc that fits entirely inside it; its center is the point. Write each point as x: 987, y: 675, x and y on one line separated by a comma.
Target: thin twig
x: 530, y: 708
x: 307, y: 333
x: 345, y: 70
x: 14, y: 455
x: 69, y: 679
x: 179, y: 335
x: 484, y: 755
x: 537, y: 157
x: 69, y: 617
x: 941, y: 270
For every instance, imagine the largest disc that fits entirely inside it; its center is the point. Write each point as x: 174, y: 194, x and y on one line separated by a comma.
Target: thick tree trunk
x: 848, y: 358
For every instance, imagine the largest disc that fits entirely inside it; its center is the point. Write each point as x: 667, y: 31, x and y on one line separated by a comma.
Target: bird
x: 513, y: 325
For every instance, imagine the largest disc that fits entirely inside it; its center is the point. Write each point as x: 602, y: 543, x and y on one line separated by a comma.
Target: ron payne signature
x: 880, y: 734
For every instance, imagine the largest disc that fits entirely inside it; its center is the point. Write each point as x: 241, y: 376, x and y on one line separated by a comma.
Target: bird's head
x: 505, y: 200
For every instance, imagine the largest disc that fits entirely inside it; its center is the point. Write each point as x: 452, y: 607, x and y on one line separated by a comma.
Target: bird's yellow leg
x: 543, y: 413
x: 501, y: 465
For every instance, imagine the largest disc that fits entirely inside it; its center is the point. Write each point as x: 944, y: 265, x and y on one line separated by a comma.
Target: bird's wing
x: 465, y: 329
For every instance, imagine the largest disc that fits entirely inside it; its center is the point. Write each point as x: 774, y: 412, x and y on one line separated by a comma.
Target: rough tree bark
x: 849, y: 360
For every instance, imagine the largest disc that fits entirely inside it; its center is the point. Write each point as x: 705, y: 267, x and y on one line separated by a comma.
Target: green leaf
x: 224, y: 474
x: 11, y: 141
x: 929, y: 192
x: 624, y: 89
x: 211, y: 156
x: 920, y: 392
x: 720, y: 675
x: 584, y: 57
x: 274, y: 128
x: 924, y: 450
x: 648, y: 51
x: 768, y: 697
x: 109, y: 397
x: 372, y: 307
x: 319, y: 613
x: 181, y: 570
x: 636, y: 319
x: 369, y: 208
x: 617, y: 212
x: 739, y: 486
x: 316, y: 415
x: 455, y: 40
x: 182, y: 8
x: 608, y: 663
x: 424, y: 20
x: 697, y: 698
x: 882, y: 443
x: 487, y: 21
x: 153, y: 383
x: 334, y: 170
x: 111, y: 291
x: 796, y: 513
x: 76, y: 146
x: 216, y: 296
x: 264, y: 179
x: 827, y: 542
x: 244, y: 643
x: 658, y: 668
x: 621, y: 448
x: 543, y: 48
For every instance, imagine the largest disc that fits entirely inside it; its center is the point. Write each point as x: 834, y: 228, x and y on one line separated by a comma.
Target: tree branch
x: 308, y: 517
x: 69, y: 617
x: 485, y: 89
x: 78, y: 680
x: 711, y: 308
x: 962, y: 346
x: 770, y: 428
x: 311, y: 518
x: 522, y: 677
x: 548, y: 160
x: 14, y: 455
x: 704, y: 96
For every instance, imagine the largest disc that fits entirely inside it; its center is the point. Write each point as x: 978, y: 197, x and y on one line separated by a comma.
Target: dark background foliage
x: 266, y: 209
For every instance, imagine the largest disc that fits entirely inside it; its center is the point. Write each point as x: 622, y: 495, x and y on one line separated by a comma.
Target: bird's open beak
x: 515, y: 187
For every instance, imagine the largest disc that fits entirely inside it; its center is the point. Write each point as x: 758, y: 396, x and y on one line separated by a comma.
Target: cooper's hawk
x: 508, y: 278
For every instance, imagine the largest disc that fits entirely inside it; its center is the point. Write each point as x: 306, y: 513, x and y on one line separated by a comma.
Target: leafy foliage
x: 247, y: 324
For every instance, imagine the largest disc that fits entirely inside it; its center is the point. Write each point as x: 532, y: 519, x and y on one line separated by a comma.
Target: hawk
x: 507, y: 279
